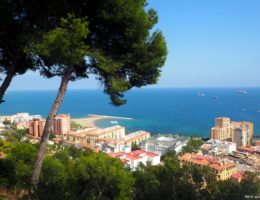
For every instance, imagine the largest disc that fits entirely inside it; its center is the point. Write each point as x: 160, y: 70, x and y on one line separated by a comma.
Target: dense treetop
x: 123, y: 50
x: 72, y: 173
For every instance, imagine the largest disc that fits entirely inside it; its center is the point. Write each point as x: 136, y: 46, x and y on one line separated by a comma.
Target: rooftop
x: 135, y: 135
x: 133, y: 155
x: 206, y: 160
x: 238, y: 175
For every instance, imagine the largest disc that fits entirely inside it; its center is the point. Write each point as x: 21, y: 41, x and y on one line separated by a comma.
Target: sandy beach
x: 91, y: 119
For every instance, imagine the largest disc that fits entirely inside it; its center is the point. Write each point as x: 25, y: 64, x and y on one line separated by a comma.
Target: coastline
x: 160, y: 111
x: 89, y: 121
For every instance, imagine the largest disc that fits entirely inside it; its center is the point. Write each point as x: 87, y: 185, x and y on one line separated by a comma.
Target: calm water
x: 156, y: 110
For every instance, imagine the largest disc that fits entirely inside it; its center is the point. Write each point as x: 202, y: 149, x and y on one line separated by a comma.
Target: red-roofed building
x: 134, y: 158
x: 238, y: 176
x: 250, y: 149
x: 222, y: 170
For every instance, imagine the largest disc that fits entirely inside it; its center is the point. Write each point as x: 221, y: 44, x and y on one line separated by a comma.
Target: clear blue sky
x: 211, y: 43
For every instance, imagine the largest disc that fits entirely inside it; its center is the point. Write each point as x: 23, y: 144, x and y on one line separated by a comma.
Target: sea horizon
x: 142, y: 88
x: 157, y: 110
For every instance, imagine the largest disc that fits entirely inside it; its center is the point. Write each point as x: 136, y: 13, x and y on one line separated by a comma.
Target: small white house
x: 134, y: 158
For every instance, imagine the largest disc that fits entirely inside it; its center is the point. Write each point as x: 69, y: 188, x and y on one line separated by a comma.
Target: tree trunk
x: 46, y: 132
x: 8, y: 79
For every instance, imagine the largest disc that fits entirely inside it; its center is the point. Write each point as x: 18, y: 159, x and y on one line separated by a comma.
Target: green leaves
x: 115, y: 35
x: 192, y: 146
x: 53, y: 180
x: 102, y: 177
x: 63, y: 47
x: 24, y: 152
x: 20, y: 159
x: 97, y: 176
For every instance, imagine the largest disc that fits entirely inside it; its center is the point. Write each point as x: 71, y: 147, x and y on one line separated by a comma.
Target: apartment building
x: 136, y: 137
x: 162, y: 144
x: 36, y: 127
x: 239, y: 132
x: 60, y: 125
x: 223, y: 170
x: 92, y: 135
x: 218, y: 147
x: 134, y: 158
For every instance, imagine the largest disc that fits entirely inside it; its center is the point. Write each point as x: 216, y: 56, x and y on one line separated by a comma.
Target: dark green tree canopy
x: 63, y: 49
x: 14, y: 35
x: 123, y: 52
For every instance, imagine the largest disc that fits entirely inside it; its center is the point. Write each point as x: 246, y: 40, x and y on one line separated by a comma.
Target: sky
x: 211, y: 43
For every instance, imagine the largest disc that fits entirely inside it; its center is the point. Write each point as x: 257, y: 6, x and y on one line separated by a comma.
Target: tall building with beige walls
x: 222, y: 130
x: 239, y: 132
x: 240, y: 136
x: 243, y: 133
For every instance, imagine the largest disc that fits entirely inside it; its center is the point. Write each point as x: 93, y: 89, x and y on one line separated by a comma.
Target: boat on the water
x: 242, y: 91
x: 114, y: 122
x: 201, y: 94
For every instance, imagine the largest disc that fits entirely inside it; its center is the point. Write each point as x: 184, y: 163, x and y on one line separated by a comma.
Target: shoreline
x: 92, y: 118
x: 111, y: 117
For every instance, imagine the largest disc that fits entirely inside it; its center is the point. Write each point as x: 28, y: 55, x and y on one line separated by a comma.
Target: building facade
x: 136, y: 138
x: 36, y: 127
x: 222, y: 130
x: 218, y: 147
x: 93, y: 135
x: 239, y: 132
x: 223, y: 170
x: 134, y: 158
x: 60, y: 125
x: 162, y: 144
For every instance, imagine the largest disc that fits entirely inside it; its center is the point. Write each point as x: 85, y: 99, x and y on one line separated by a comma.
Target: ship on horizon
x: 201, y: 94
x: 241, y: 91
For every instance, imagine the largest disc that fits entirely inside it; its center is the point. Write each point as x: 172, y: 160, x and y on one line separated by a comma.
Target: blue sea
x: 178, y: 111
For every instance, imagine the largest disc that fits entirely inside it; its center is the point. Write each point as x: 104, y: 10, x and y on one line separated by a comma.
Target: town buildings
x: 162, y: 144
x: 92, y: 135
x: 20, y: 120
x: 60, y: 125
x: 36, y: 127
x: 218, y: 147
x: 239, y: 132
x: 136, y: 137
x: 241, y: 136
x: 134, y: 158
x: 250, y: 149
x: 2, y: 126
x: 111, y: 139
x: 245, y: 158
x: 223, y: 169
x: 112, y: 145
x: 16, y: 117
x: 238, y: 176
x: 222, y: 130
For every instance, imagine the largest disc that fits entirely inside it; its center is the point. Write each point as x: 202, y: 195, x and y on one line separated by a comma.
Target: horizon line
x: 144, y: 88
